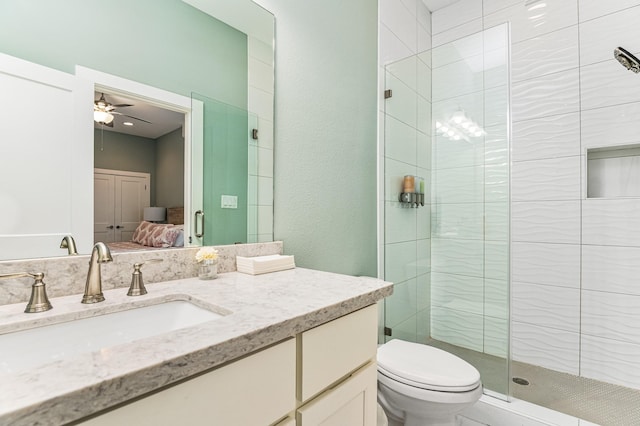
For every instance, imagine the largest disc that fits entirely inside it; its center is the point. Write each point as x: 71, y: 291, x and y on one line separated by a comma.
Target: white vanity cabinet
x: 337, y: 378
x: 325, y: 376
x: 256, y: 390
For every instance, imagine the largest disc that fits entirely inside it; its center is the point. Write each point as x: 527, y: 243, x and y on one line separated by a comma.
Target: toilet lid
x: 426, y: 367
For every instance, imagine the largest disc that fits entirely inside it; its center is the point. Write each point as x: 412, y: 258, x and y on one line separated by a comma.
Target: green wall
x: 169, y: 187
x: 117, y: 151
x: 163, y: 43
x: 325, y: 137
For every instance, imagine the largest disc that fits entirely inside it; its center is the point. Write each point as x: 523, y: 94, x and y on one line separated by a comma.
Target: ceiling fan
x: 103, y: 112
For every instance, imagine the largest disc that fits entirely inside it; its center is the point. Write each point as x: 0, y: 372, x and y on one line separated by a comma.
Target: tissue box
x: 264, y: 264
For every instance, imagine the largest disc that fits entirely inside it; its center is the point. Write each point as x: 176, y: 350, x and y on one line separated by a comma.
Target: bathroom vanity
x: 286, y: 348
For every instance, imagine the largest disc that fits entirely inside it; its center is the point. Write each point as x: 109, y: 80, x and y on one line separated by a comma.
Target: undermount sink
x: 24, y: 349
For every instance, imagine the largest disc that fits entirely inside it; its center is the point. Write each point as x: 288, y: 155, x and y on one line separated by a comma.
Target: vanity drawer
x: 333, y: 350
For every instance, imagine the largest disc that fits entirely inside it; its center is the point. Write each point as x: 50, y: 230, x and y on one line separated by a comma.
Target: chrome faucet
x: 93, y: 289
x: 70, y: 244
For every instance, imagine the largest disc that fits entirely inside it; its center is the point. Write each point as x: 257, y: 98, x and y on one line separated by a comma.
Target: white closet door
x: 46, y: 147
x: 104, y: 208
x: 131, y: 197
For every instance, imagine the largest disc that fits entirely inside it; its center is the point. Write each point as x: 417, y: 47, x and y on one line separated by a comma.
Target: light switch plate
x: 229, y: 202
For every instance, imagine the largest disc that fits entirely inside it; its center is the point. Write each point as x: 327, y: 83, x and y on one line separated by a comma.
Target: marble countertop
x: 260, y: 310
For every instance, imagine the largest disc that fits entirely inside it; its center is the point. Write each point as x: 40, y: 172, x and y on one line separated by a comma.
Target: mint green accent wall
x: 169, y: 187
x: 225, y: 171
x: 118, y: 151
x: 163, y: 43
x: 325, y: 132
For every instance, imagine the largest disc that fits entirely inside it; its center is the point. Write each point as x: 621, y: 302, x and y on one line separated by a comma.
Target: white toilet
x: 419, y: 385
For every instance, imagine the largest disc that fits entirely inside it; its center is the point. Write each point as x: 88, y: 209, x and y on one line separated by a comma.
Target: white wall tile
x: 457, y: 32
x: 401, y: 305
x: 545, y: 54
x: 491, y: 6
x: 405, y: 70
x: 457, y: 292
x: 424, y: 39
x: 424, y: 80
x: 611, y: 268
x: 550, y: 94
x: 607, y: 83
x: 496, y: 260
x: 527, y: 22
x: 496, y: 299
x: 265, y: 191
x: 611, y: 315
x: 457, y: 50
x: 401, y: 21
x: 496, y: 221
x: 423, y: 117
x: 496, y: 106
x: 454, y: 154
x: 548, y: 179
x: 547, y: 137
x: 472, y: 105
x: 399, y: 222
x: 458, y: 13
x: 550, y: 264
x: 546, y: 221
x: 496, y: 336
x: 547, y: 347
x: 610, y: 361
x: 600, y: 36
x: 260, y: 50
x: 463, y: 257
x: 403, y: 104
x: 461, y: 221
x: 423, y: 155
x: 611, y: 126
x: 496, y: 144
x: 424, y: 221
x: 460, y: 185
x: 457, y: 327
x: 400, y: 141
x: 265, y: 162
x: 260, y: 103
x: 594, y: 9
x: 424, y: 16
x: 423, y: 256
x: 611, y: 222
x: 400, y: 261
x: 391, y: 47
x: 546, y: 306
x: 496, y: 186
x: 265, y: 219
x: 458, y: 78
x: 265, y: 135
x: 260, y: 75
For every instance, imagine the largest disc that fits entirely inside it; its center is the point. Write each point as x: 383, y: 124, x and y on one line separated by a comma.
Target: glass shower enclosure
x: 447, y: 123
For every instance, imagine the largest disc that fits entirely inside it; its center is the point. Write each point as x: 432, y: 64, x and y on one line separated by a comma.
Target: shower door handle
x: 195, y: 224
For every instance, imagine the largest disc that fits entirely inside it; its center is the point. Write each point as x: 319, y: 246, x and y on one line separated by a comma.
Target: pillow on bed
x: 155, y: 234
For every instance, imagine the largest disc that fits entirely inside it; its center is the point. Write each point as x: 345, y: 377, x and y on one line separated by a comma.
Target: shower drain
x: 520, y: 381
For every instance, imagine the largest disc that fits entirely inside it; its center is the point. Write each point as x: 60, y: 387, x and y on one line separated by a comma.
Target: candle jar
x: 208, y: 269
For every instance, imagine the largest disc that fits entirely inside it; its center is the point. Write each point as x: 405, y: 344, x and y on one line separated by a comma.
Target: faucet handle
x: 39, y: 302
x: 137, y: 284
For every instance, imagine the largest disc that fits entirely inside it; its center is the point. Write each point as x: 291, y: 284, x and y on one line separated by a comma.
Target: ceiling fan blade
x: 135, y: 118
x: 122, y: 105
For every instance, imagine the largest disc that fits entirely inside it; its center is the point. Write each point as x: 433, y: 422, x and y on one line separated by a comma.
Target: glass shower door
x: 447, y: 120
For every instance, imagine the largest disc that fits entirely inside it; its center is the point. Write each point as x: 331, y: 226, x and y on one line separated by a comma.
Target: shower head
x: 627, y: 59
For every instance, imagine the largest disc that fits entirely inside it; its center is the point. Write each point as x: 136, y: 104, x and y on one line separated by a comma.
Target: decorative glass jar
x: 208, y: 269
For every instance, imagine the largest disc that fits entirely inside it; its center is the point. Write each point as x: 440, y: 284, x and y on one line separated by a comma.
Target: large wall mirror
x: 194, y: 80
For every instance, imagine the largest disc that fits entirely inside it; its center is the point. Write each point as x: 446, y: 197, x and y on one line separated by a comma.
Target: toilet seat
x: 426, y: 367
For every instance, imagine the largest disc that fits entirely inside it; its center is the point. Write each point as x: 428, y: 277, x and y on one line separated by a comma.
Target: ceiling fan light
x: 102, y: 117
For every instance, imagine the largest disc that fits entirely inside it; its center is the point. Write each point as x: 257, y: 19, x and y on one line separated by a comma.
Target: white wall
x: 575, y: 303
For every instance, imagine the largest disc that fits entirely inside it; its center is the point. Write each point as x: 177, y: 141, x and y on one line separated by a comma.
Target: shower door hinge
x: 387, y: 331
x: 388, y: 93
x: 254, y: 134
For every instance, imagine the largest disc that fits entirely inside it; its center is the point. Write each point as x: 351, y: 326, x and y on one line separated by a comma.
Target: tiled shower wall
x: 575, y: 261
x: 261, y: 91
x: 405, y: 30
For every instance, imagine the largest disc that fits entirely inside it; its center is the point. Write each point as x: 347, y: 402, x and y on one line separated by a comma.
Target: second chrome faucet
x: 93, y: 288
